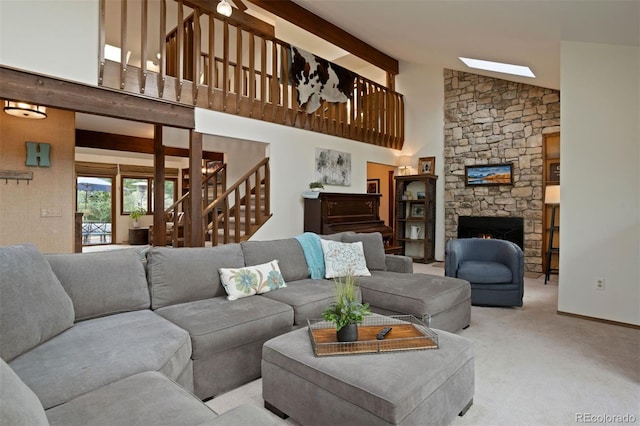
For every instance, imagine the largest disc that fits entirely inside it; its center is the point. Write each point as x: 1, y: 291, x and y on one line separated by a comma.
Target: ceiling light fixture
x: 25, y: 110
x: 224, y: 8
x: 498, y: 67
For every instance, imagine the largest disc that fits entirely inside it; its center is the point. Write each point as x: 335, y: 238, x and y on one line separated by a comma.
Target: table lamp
x: 404, y: 161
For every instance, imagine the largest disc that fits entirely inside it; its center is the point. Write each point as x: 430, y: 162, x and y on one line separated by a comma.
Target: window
x: 138, y: 192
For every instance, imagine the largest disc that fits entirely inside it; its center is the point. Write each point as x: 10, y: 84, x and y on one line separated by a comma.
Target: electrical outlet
x: 599, y: 283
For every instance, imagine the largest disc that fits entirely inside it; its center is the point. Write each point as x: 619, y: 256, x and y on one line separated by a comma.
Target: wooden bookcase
x: 415, y: 202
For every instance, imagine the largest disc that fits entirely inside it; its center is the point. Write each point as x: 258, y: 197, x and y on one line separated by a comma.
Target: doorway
x: 380, y: 176
x: 94, y: 199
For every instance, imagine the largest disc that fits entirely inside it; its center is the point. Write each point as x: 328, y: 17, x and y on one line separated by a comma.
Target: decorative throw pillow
x: 250, y: 280
x: 373, y: 246
x: 343, y: 258
x: 34, y: 307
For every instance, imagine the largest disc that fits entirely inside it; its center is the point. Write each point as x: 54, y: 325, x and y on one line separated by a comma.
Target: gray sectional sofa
x: 98, y: 334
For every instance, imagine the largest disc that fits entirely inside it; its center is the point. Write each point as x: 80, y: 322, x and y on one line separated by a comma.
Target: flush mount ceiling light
x: 498, y: 67
x: 25, y: 110
x: 224, y: 8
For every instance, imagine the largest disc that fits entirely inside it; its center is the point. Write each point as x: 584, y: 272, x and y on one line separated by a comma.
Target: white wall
x: 26, y: 42
x: 292, y: 159
x: 600, y: 183
x: 423, y: 90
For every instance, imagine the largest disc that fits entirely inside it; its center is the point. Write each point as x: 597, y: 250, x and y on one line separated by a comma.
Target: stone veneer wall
x: 493, y: 121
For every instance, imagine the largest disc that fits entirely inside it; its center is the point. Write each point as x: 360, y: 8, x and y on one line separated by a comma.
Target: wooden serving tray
x: 407, y: 333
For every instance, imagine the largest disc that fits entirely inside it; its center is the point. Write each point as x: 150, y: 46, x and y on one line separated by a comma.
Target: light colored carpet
x: 534, y: 367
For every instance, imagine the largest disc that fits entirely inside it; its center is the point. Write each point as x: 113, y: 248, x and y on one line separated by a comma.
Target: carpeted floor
x: 535, y: 367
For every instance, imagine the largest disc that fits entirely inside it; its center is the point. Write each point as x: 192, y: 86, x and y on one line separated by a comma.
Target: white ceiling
x: 522, y: 32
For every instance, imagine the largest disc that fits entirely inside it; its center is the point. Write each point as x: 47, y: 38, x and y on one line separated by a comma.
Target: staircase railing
x: 212, y: 184
x: 217, y: 64
x: 242, y: 209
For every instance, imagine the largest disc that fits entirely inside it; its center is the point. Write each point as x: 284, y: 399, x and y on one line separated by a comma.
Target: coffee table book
x: 407, y: 334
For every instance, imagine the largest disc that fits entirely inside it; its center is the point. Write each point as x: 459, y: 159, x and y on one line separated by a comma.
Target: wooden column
x: 195, y: 184
x: 159, y: 221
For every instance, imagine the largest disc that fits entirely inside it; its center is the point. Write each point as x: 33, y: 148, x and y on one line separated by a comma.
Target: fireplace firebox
x: 504, y: 228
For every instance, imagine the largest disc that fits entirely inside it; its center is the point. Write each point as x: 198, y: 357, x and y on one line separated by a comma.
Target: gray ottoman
x: 397, y: 388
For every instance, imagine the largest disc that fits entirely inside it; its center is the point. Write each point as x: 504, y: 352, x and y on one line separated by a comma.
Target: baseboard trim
x: 584, y: 317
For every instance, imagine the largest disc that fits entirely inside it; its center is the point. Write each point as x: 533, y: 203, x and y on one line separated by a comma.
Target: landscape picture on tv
x: 490, y: 174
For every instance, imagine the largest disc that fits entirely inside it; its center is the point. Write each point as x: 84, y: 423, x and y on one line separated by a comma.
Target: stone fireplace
x: 493, y: 121
x: 503, y: 228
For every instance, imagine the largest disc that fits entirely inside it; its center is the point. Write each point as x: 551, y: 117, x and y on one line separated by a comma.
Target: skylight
x: 498, y: 67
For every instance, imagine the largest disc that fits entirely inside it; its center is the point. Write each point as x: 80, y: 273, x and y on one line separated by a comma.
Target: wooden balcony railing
x: 226, y: 66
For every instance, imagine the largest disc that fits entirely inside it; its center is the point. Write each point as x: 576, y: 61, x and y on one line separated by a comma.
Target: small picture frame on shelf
x: 417, y: 210
x: 554, y: 172
x: 426, y: 165
x: 420, y: 195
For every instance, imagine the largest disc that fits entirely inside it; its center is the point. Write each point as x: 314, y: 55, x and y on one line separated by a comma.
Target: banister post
x: 196, y: 237
x: 159, y: 224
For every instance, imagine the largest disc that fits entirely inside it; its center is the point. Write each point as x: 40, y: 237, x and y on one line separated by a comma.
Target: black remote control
x: 383, y: 333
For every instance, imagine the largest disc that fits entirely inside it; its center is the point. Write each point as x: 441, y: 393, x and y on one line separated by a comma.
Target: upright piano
x: 334, y: 212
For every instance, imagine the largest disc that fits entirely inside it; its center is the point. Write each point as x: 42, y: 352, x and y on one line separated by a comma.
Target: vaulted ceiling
x: 524, y: 32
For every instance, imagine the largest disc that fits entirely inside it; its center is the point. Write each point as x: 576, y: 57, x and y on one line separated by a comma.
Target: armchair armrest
x: 453, y: 255
x: 398, y: 263
x: 512, y: 256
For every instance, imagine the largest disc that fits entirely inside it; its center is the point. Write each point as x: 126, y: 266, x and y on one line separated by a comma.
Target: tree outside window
x: 135, y: 193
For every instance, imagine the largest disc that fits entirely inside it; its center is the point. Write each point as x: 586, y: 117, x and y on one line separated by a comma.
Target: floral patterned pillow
x: 342, y: 258
x: 250, y: 280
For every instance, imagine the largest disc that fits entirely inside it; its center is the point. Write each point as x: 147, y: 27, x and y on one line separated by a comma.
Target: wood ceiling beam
x: 297, y: 15
x: 52, y: 92
x: 113, y: 142
x: 238, y: 17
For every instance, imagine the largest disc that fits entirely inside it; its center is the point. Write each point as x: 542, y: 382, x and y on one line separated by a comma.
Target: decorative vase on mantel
x: 348, y: 333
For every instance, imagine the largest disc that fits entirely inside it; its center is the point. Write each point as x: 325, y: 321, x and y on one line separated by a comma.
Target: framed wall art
x: 426, y: 165
x: 333, y: 167
x: 373, y: 186
x: 488, y: 175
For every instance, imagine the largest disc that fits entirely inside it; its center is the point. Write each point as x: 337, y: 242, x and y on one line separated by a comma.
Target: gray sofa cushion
x: 287, y: 251
x: 413, y: 294
x: 100, y: 351
x: 142, y: 399
x: 307, y: 297
x: 485, y: 272
x: 103, y: 283
x: 373, y: 246
x: 217, y: 324
x: 19, y: 405
x: 33, y: 305
x: 337, y: 236
x: 188, y: 274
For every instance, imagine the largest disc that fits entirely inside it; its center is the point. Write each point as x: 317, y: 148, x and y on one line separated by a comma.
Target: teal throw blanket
x: 312, y: 249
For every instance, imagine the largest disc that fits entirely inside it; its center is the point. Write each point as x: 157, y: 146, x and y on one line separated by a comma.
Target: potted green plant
x: 347, y: 312
x: 316, y: 186
x: 136, y: 214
